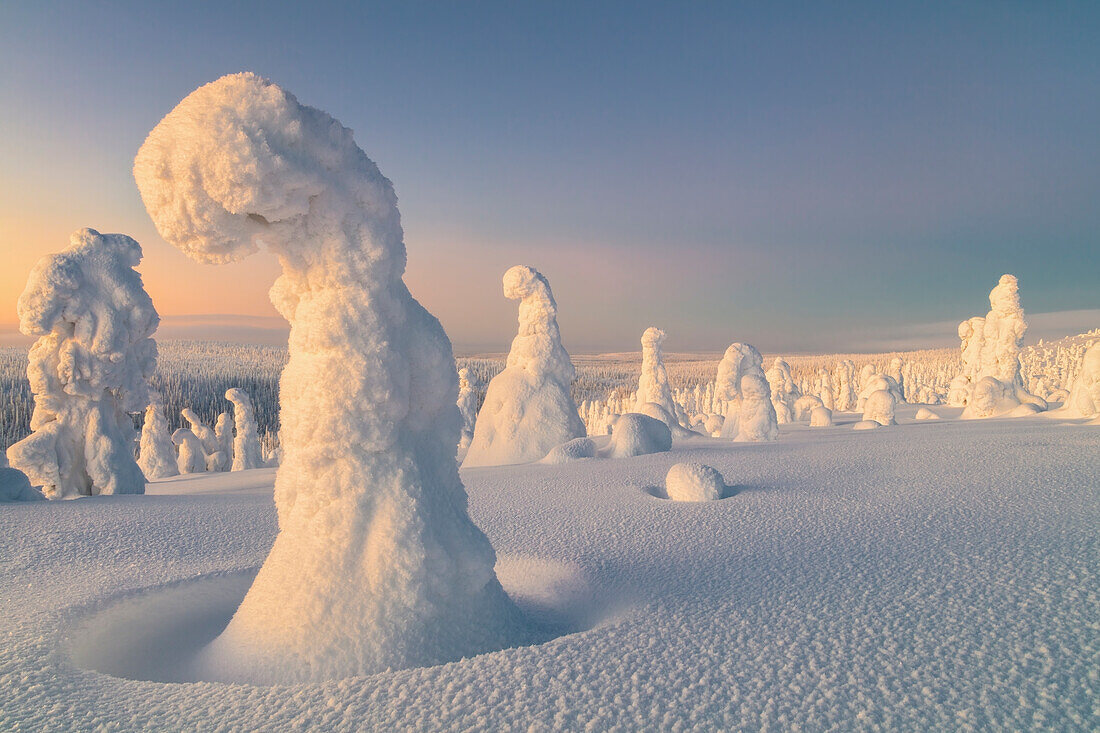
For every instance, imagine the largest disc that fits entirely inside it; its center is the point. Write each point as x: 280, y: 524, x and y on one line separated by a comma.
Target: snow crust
x: 376, y: 564
x: 528, y: 408
x: 89, y: 367
x: 694, y: 482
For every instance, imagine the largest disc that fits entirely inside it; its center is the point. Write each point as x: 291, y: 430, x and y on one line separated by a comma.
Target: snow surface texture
x: 634, y: 434
x: 694, y: 482
x: 377, y: 564
x: 156, y: 452
x: 879, y: 580
x: 90, y: 366
x: 991, y: 353
x: 246, y: 441
x: 653, y: 383
x: 741, y: 384
x: 528, y: 409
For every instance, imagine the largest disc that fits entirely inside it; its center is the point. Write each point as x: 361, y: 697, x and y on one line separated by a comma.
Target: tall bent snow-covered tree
x: 376, y: 564
x: 89, y: 367
x: 247, y: 452
x: 528, y: 409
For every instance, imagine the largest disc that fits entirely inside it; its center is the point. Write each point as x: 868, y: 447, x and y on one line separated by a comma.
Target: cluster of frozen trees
x: 990, y: 381
x: 233, y: 444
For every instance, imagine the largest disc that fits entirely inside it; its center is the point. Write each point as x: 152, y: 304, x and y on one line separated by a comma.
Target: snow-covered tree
x: 991, y: 349
x: 208, y: 438
x: 784, y: 390
x: 845, y: 393
x: 1084, y: 398
x: 653, y: 383
x: 156, y: 452
x: 376, y: 564
x: 467, y: 408
x: 528, y: 408
x: 191, y: 457
x: 746, y: 419
x: 879, y: 407
x: 222, y: 459
x: 896, y: 371
x: 247, y: 453
x: 89, y: 367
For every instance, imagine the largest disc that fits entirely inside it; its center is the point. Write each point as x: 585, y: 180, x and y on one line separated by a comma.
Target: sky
x: 819, y: 177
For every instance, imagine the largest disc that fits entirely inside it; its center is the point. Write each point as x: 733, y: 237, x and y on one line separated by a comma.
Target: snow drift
x: 376, y: 564
x: 528, y: 409
x: 89, y: 367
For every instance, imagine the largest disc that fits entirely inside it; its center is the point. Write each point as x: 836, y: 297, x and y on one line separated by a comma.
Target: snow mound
x: 657, y: 412
x: 573, y: 450
x: 90, y: 365
x: 694, y: 482
x: 925, y: 414
x: 377, y: 564
x: 990, y: 397
x: 14, y: 484
x: 880, y: 406
x: 821, y: 417
x: 528, y: 408
x: 866, y: 425
x: 805, y: 405
x: 634, y: 434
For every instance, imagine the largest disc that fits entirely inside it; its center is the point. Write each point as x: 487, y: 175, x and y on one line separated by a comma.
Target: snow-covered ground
x: 936, y: 575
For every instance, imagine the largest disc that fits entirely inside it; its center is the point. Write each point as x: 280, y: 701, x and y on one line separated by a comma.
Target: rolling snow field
x: 936, y: 575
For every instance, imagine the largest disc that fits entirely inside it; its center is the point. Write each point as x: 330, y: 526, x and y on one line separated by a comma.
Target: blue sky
x: 804, y: 177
